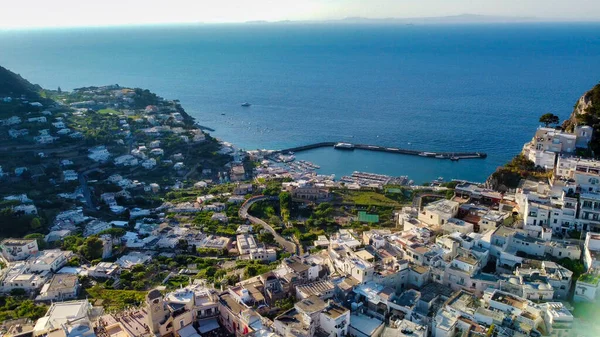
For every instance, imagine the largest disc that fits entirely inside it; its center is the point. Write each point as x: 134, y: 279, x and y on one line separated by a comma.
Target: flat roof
x: 508, y: 299
x: 364, y: 324
x: 311, y: 304
x: 16, y: 242
x: 60, y: 281
x: 334, y: 311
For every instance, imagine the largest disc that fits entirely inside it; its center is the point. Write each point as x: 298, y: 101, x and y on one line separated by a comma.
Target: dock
x: 367, y: 147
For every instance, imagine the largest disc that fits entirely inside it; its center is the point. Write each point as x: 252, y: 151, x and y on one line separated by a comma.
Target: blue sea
x: 446, y: 88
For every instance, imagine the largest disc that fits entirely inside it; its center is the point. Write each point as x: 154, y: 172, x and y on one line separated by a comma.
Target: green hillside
x: 14, y: 85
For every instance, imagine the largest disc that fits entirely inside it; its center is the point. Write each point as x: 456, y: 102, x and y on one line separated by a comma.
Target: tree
x: 549, y: 118
x: 285, y: 205
x: 92, y: 248
x: 266, y: 237
x: 35, y: 223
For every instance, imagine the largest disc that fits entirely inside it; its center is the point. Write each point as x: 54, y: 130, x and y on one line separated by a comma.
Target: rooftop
x: 62, y: 281
x: 334, y: 311
x: 365, y: 324
x: 465, y: 302
x: 311, y: 304
x: 16, y: 242
x: 442, y: 206
x: 408, y: 298
x: 316, y: 288
x: 508, y: 299
x: 231, y: 303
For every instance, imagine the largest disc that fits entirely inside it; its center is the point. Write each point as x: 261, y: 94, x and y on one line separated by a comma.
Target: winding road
x: 288, y: 246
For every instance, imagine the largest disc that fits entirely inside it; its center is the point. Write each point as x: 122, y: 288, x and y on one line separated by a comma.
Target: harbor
x: 454, y: 156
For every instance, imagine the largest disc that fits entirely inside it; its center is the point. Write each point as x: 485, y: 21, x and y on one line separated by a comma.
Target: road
x: 85, y: 188
x: 288, y: 246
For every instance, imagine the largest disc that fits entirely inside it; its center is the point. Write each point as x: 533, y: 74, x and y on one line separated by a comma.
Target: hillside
x: 12, y: 84
x: 587, y: 112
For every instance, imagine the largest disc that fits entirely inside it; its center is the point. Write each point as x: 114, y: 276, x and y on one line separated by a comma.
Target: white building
x: 454, y: 225
x: 18, y: 249
x: 49, y: 260
x: 438, y: 212
x: 61, y: 287
x: 245, y: 243
x: 95, y: 227
x: 104, y: 270
x: 71, y: 318
x: 548, y: 142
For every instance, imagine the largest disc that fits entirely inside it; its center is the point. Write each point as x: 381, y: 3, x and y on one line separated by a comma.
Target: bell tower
x: 156, y: 310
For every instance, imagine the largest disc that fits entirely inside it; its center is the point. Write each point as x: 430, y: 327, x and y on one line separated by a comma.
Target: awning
x: 208, y: 325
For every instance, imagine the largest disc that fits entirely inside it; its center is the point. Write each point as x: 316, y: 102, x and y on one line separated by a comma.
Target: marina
x: 454, y: 156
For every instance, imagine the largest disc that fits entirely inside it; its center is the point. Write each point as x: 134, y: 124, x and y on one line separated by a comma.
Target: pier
x: 348, y: 146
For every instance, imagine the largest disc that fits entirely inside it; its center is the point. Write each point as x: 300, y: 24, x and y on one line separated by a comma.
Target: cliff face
x: 586, y: 106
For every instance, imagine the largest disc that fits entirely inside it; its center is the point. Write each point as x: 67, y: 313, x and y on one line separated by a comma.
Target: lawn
x: 367, y: 198
x: 116, y: 299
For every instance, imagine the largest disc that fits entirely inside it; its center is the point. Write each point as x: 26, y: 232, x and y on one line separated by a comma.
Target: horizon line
x: 428, y: 20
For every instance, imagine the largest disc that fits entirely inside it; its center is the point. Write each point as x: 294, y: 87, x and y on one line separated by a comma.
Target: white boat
x: 344, y: 146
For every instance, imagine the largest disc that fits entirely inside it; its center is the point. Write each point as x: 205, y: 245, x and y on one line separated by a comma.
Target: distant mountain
x: 456, y: 19
x: 12, y: 84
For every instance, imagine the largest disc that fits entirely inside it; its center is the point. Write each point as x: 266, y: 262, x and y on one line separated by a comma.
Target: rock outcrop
x: 583, y: 106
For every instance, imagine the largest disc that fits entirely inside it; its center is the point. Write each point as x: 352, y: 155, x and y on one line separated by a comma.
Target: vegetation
x: 92, y: 248
x: 17, y: 224
x: 367, y: 198
x: 14, y: 85
x: 591, y: 117
x: 518, y: 168
x: 285, y: 205
x: 13, y: 307
x: 254, y: 267
x: 116, y: 299
x: 575, y: 266
x: 548, y: 119
x: 285, y: 304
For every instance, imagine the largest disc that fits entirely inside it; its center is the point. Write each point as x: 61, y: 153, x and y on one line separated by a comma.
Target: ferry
x: 344, y: 146
x: 246, y: 104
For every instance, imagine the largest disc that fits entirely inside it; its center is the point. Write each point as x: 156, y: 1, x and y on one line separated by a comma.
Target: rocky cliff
x: 585, y: 105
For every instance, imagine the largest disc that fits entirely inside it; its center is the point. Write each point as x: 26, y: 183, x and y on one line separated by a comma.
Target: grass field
x: 367, y: 198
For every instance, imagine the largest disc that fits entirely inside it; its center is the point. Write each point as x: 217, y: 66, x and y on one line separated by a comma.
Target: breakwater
x: 367, y: 147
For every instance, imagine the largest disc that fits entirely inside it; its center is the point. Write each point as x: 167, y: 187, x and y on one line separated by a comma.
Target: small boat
x: 343, y: 146
x: 440, y: 156
x: 454, y: 158
x: 246, y: 104
x: 222, y: 114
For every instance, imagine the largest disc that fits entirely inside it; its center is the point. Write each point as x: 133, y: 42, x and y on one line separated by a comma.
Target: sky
x: 69, y: 13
